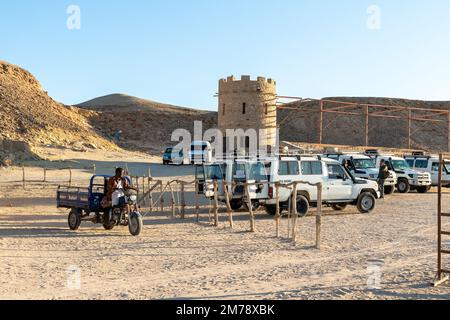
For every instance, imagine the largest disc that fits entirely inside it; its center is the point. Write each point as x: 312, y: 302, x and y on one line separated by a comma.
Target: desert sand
x: 182, y: 259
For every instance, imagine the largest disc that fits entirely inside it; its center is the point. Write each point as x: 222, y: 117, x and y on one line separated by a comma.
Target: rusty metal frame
x: 354, y: 109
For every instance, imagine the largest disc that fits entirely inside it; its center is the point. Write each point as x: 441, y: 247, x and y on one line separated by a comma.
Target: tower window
x: 223, y: 109
x: 244, y: 107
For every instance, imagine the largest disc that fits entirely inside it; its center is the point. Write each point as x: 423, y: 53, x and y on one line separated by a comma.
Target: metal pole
x: 321, y: 122
x: 448, y: 131
x: 366, y: 134
x: 409, y: 128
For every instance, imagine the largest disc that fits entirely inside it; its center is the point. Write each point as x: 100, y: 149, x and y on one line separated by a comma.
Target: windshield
x: 257, y: 172
x: 239, y: 171
x: 214, y: 172
x: 364, y: 163
x: 447, y: 166
x: 196, y: 147
x: 400, y: 165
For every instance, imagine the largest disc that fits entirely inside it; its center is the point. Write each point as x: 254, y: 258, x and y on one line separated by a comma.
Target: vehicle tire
x: 423, y: 189
x: 236, y: 205
x: 339, y: 206
x: 107, y: 224
x: 403, y: 186
x: 255, y: 205
x: 271, y: 210
x: 74, y: 219
x: 135, y: 224
x: 108, y: 227
x: 389, y: 190
x: 366, y: 202
x: 302, y: 206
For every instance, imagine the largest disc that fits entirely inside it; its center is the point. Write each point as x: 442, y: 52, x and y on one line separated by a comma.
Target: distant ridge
x: 122, y: 102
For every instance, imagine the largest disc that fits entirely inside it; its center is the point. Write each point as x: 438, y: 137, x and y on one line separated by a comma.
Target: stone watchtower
x: 246, y: 104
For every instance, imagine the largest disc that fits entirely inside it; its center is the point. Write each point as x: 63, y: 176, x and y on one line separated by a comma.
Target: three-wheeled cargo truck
x: 85, y: 204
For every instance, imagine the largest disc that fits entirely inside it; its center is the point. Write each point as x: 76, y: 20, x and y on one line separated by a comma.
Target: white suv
x: 362, y: 166
x: 429, y: 164
x: 234, y: 173
x: 408, y: 178
x: 339, y: 187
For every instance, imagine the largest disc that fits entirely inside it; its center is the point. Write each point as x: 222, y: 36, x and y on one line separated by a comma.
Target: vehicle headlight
x: 413, y: 176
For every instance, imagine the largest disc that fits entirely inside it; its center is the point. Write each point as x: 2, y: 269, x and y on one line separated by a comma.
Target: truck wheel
x: 135, y: 224
x: 389, y: 190
x: 236, y: 205
x: 302, y: 206
x: 366, y: 202
x: 271, y: 210
x: 403, y: 186
x: 339, y: 206
x: 423, y: 189
x: 255, y: 205
x: 74, y: 219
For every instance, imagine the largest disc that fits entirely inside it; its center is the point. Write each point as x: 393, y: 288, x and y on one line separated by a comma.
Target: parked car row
x: 339, y: 187
x: 348, y: 179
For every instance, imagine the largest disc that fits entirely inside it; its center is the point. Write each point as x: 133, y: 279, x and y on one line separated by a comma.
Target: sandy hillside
x: 146, y: 125
x: 27, y: 113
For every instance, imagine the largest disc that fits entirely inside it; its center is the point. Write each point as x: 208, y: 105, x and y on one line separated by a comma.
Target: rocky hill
x: 145, y: 125
x: 29, y: 115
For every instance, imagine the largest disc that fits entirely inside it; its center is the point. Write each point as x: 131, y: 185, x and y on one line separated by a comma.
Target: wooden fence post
x: 319, y: 216
x: 183, y: 201
x: 23, y: 177
x: 216, y: 204
x: 294, y: 213
x: 162, y: 197
x: 173, y: 201
x: 250, y: 208
x: 197, y: 204
x: 277, y: 213
x: 227, y: 200
x: 150, y: 196
x: 143, y: 191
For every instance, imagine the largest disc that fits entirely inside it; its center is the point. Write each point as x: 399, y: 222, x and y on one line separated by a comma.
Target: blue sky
x: 175, y: 51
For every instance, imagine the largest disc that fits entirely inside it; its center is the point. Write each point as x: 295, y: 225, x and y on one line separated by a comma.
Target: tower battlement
x: 246, y: 84
x: 247, y: 79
